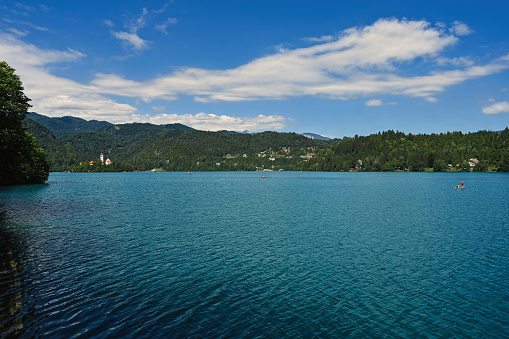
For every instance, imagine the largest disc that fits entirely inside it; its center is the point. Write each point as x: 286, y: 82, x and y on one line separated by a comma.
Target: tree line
x: 176, y: 147
x: 146, y: 146
x: 397, y: 151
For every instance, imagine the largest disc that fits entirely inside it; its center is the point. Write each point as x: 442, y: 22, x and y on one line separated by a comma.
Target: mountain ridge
x: 67, y: 125
x: 176, y: 147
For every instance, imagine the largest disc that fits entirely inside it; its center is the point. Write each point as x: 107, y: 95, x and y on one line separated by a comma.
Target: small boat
x: 189, y: 173
x: 263, y: 176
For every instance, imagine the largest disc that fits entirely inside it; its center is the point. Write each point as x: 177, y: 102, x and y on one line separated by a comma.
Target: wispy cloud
x: 57, y: 96
x: 108, y: 23
x: 362, y: 61
x: 17, y: 32
x: 24, y: 7
x: 458, y: 61
x: 26, y: 55
x: 158, y: 108
x: 162, y: 27
x: 374, y: 102
x: 134, y: 25
x: 26, y: 24
x: 378, y: 102
x: 324, y: 38
x: 132, y: 40
x: 496, y: 108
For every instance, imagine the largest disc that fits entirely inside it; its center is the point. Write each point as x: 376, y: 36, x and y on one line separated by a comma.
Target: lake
x: 234, y: 255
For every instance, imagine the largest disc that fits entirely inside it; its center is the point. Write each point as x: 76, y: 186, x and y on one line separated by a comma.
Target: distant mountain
x: 67, y: 125
x: 179, y: 127
x: 315, y: 136
x: 61, y: 156
x: 175, y: 147
x: 228, y: 132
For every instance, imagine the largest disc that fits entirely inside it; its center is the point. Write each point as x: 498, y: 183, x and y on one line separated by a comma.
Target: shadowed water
x: 235, y: 255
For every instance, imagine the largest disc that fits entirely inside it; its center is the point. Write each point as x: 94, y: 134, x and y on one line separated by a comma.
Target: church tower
x: 102, y: 157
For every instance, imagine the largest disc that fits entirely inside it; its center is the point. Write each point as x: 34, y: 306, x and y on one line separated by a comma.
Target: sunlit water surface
x: 233, y: 255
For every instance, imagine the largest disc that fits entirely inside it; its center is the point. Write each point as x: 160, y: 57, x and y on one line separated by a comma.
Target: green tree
x: 504, y: 163
x: 481, y: 166
x: 465, y: 166
x: 439, y: 165
x: 21, y: 160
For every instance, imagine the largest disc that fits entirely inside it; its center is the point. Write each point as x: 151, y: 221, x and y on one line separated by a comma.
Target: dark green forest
x: 67, y: 125
x: 397, y: 151
x: 175, y: 147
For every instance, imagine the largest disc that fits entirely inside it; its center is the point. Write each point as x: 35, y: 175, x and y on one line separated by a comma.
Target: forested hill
x: 390, y: 151
x: 176, y: 147
x: 67, y: 125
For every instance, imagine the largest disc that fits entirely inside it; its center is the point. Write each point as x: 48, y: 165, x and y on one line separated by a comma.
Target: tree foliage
x: 21, y: 160
x: 180, y: 148
x: 98, y: 166
x: 67, y: 125
x: 390, y: 151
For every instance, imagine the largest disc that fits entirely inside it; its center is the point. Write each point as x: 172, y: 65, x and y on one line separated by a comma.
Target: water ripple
x: 228, y: 255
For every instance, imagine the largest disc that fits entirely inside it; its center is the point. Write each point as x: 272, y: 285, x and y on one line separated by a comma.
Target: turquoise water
x: 232, y: 255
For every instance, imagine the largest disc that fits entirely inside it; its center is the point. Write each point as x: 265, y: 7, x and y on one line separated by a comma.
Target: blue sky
x: 336, y: 68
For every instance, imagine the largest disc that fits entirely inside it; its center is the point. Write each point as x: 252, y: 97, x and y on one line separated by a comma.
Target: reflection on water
x: 10, y: 286
x: 18, y: 206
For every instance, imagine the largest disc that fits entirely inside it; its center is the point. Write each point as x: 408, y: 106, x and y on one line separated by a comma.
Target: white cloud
x: 162, y: 27
x: 17, y: 32
x: 459, y: 28
x: 131, y: 40
x: 374, y: 102
x: 56, y: 96
x: 324, y: 38
x: 212, y: 122
x: 158, y: 108
x: 360, y: 62
x: 16, y: 52
x: 108, y: 23
x: 431, y: 99
x: 496, y: 108
x: 87, y: 106
x: 25, y: 23
x: 377, y: 102
x: 135, y: 24
x: 458, y: 61
x: 24, y: 7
